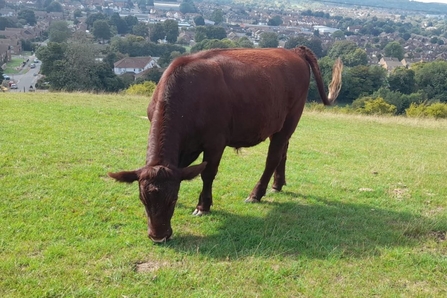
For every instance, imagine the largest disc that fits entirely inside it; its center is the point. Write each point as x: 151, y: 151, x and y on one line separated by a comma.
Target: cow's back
x: 243, y: 95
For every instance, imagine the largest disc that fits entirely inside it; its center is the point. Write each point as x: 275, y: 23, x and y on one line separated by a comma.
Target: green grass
x: 12, y: 67
x: 364, y: 212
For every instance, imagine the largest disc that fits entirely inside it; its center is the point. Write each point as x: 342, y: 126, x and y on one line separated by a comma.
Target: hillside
x: 363, y: 213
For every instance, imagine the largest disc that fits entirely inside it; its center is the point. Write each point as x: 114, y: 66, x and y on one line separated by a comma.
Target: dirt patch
x: 439, y: 236
x: 365, y: 189
x: 400, y: 192
x: 151, y: 266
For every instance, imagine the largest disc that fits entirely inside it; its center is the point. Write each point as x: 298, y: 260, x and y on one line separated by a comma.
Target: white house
x: 133, y: 65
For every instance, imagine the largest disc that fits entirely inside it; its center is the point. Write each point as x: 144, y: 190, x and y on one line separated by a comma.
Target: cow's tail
x: 334, y: 86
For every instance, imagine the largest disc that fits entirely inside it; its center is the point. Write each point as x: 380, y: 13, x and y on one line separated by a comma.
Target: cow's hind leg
x: 277, y: 155
x: 275, y: 159
x: 212, y: 157
x: 279, y: 177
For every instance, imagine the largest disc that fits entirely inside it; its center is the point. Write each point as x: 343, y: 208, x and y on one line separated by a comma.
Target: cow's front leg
x: 212, y: 157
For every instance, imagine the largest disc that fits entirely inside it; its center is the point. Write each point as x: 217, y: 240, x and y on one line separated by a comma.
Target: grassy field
x: 364, y: 212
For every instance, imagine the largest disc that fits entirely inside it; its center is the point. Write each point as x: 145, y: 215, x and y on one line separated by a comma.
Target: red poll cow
x: 217, y: 98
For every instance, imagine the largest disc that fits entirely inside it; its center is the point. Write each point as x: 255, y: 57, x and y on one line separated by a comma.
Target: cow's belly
x: 252, y: 132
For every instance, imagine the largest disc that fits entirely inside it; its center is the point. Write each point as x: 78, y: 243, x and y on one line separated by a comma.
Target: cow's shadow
x: 322, y: 229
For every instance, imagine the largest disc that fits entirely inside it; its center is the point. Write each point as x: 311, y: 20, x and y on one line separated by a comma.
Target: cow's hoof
x: 252, y: 200
x: 198, y: 212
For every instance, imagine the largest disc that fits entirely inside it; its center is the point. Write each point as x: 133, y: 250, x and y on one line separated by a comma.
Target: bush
x: 146, y: 88
x: 401, y: 101
x: 377, y: 106
x: 436, y: 110
x: 359, y: 103
x: 42, y: 84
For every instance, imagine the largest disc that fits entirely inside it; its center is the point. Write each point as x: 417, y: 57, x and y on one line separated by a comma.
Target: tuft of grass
x: 363, y: 212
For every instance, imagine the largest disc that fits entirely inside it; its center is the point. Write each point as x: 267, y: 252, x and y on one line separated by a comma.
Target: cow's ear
x: 126, y: 176
x: 192, y: 171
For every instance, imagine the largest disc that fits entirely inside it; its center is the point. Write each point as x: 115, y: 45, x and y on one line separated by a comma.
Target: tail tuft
x: 335, y: 85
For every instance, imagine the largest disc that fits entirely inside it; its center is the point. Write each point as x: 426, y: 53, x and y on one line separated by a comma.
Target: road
x: 27, y: 77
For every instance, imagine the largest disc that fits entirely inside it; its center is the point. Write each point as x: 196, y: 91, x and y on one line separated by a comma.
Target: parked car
x: 36, y: 61
x: 6, y: 77
x: 32, y: 65
x: 14, y: 86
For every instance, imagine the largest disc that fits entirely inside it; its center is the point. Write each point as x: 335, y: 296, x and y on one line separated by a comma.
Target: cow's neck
x: 164, y: 141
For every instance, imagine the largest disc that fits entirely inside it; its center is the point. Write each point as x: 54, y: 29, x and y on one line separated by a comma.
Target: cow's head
x: 159, y: 187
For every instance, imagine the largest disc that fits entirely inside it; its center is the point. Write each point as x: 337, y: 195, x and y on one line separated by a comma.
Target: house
x: 5, y: 53
x: 13, y: 45
x: 133, y: 65
x: 391, y: 63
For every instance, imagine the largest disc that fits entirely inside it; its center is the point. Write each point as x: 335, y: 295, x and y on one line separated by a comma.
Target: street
x: 27, y: 77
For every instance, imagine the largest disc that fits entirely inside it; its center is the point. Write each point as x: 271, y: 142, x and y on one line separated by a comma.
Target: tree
x: 154, y: 75
x: 244, y: 42
x: 55, y: 7
x: 313, y: 43
x: 217, y: 16
x: 399, y: 100
x: 406, y: 36
x: 94, y: 17
x: 137, y: 46
x: 27, y: 15
x: 6, y: 22
x: 101, y: 30
x: 209, y: 32
x: 394, y: 49
x: 348, y: 51
x: 199, y: 21
x: 269, y: 40
x: 207, y: 44
x: 430, y: 78
x: 200, y: 34
x: 119, y: 23
x: 341, y: 48
x: 171, y: 30
x: 77, y: 13
x: 358, y: 57
x: 361, y: 81
x: 275, y: 21
x: 46, y: 3
x: 130, y: 21
x: 187, y: 6
x: 103, y: 78
x: 27, y: 45
x: 59, y: 31
x: 141, y: 29
x: 156, y: 32
x: 72, y: 67
x: 215, y: 32
x: 339, y: 34
x: 49, y: 54
x: 402, y: 80
x: 112, y: 57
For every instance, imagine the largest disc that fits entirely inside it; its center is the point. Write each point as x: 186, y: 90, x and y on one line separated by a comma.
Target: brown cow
x: 217, y: 98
